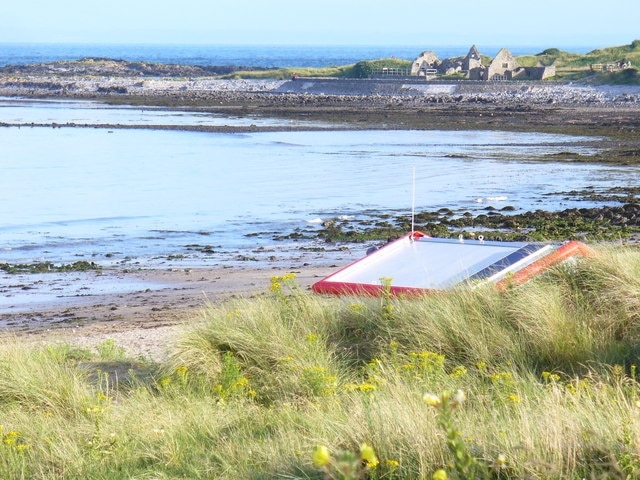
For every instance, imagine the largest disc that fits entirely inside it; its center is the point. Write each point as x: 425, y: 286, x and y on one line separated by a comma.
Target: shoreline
x: 142, y: 321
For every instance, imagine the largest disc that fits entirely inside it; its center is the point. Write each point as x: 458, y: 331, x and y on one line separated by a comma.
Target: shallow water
x: 142, y: 195
x: 73, y: 112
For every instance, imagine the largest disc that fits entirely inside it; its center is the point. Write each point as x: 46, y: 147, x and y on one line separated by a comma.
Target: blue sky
x: 323, y: 22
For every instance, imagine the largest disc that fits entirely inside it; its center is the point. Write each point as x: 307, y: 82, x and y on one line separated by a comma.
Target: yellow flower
x: 241, y: 382
x: 367, y: 387
x: 393, y: 463
x: 368, y: 456
x: 439, y: 475
x: 288, y: 277
x: 458, y: 372
x: 11, y: 438
x: 431, y: 399
x: 550, y: 377
x: 321, y: 456
x: 515, y: 398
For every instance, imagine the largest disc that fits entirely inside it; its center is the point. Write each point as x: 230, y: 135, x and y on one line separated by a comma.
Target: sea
x: 265, y: 56
x: 148, y: 198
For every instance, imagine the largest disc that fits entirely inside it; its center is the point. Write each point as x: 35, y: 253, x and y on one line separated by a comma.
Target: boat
x: 416, y: 264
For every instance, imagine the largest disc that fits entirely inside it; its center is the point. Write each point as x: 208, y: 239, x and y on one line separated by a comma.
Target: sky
x: 548, y: 23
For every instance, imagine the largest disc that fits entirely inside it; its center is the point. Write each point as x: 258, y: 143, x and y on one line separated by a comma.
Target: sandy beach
x: 144, y: 321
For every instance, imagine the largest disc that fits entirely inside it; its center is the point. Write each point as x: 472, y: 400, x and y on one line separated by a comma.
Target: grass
x: 570, y: 66
x: 537, y: 382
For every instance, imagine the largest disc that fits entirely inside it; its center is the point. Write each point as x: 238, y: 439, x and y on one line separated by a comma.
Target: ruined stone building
x: 425, y: 64
x: 472, y: 64
x: 503, y: 67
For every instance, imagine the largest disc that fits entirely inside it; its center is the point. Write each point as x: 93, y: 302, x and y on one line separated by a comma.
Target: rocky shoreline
x: 604, y: 110
x: 141, y: 321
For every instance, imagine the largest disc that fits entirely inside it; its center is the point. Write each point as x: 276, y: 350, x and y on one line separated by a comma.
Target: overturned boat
x: 416, y: 264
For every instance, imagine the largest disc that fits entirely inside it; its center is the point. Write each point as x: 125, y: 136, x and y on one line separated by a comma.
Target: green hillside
x: 607, y: 65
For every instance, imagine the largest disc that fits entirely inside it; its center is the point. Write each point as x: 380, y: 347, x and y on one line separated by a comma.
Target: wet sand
x: 142, y: 321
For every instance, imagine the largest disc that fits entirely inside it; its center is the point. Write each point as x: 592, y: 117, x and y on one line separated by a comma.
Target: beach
x: 145, y: 320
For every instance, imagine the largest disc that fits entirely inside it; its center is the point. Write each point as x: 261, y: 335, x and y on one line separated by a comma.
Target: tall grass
x: 254, y: 386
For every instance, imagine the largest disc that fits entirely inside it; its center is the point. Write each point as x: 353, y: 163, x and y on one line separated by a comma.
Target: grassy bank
x: 591, y: 67
x: 538, y: 382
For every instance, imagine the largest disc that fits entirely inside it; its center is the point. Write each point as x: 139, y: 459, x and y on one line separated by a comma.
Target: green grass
x: 255, y: 385
x: 570, y: 66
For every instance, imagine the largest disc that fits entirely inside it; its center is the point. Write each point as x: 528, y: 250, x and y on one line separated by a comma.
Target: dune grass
x: 538, y: 382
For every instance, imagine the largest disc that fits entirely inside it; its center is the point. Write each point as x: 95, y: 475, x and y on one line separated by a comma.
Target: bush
x: 362, y: 69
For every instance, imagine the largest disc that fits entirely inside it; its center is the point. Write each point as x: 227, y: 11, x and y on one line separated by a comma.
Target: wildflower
x: 439, y: 475
x: 458, y: 398
x: 502, y: 378
x: 241, y: 382
x: 458, y: 372
x: 356, y: 307
x: 321, y: 456
x: 501, y: 461
x: 312, y: 337
x: 288, y: 277
x: 392, y: 463
x: 431, y: 399
x: 101, y: 396
x: 368, y: 456
x: 375, y: 363
x: 515, y: 398
x: 367, y: 387
x: 11, y: 438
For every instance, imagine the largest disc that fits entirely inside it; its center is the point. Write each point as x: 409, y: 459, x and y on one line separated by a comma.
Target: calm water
x: 248, y: 55
x: 109, y: 195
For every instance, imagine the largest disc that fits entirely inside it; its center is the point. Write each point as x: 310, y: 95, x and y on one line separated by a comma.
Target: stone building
x: 425, y: 63
x: 472, y: 64
x: 503, y: 67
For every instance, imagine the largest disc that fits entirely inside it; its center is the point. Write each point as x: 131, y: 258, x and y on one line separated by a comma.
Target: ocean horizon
x: 263, y: 56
